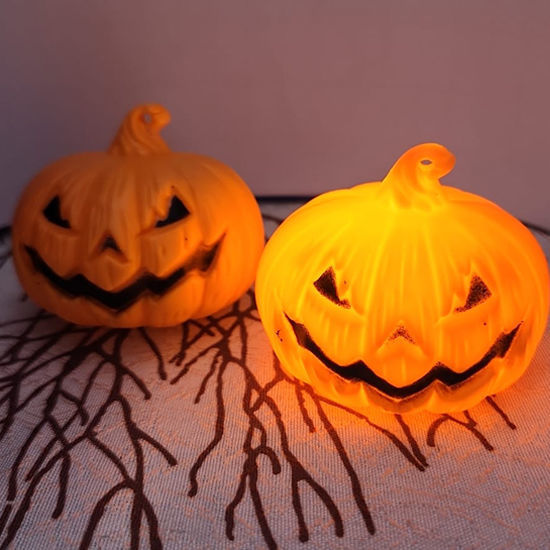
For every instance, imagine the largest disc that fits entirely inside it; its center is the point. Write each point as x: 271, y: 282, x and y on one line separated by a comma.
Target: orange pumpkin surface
x: 139, y: 235
x: 405, y: 293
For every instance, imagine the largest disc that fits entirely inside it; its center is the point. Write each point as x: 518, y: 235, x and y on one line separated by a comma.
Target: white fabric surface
x: 192, y: 437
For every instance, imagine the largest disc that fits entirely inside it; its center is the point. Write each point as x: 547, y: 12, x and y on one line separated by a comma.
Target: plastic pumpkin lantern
x: 405, y: 293
x: 139, y: 235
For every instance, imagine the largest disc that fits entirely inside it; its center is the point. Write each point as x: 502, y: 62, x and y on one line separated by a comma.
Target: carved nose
x: 110, y: 243
x: 401, y: 332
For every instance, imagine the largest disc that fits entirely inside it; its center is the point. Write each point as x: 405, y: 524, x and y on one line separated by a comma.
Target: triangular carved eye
x: 477, y: 294
x: 326, y: 285
x: 177, y: 212
x: 52, y: 213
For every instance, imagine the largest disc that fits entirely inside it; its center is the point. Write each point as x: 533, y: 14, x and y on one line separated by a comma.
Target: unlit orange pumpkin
x: 139, y: 235
x: 404, y: 293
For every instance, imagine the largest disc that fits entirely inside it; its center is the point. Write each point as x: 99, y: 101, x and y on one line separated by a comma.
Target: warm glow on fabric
x: 405, y: 293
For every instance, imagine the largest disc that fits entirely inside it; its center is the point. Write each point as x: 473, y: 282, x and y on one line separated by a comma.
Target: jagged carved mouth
x: 79, y: 286
x: 359, y: 371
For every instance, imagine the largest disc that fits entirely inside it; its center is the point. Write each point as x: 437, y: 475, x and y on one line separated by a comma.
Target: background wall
x: 299, y: 96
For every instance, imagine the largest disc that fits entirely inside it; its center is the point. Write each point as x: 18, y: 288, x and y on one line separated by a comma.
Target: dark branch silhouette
x: 213, y: 348
x: 93, y: 346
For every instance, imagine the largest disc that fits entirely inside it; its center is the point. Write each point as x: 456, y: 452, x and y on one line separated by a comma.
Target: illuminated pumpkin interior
x: 139, y: 235
x: 405, y: 294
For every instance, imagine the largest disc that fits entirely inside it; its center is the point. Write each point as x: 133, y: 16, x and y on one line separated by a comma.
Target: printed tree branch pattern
x: 194, y: 437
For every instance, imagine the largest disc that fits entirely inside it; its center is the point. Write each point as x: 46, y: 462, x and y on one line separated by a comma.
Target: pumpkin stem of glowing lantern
x: 413, y: 180
x: 139, y: 133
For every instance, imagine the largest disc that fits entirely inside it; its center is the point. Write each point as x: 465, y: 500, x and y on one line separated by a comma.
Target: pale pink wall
x: 299, y: 96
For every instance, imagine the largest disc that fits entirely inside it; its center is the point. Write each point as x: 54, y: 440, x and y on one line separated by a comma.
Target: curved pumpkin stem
x: 414, y: 179
x: 139, y: 133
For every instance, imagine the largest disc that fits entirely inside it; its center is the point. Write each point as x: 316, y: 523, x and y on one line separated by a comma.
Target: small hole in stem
x: 426, y: 162
x: 147, y: 118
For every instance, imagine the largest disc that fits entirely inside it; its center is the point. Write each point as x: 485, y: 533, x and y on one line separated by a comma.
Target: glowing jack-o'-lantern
x: 138, y: 235
x: 404, y: 293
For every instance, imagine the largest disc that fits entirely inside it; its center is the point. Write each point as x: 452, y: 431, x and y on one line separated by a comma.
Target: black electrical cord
x: 537, y: 228
x: 5, y: 230
x: 305, y: 198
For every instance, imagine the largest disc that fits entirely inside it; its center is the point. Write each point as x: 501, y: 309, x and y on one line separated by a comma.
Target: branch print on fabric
x: 33, y: 348
x: 86, y: 422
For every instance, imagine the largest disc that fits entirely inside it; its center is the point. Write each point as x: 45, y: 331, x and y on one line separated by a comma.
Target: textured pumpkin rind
x: 123, y: 196
x: 465, y: 235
